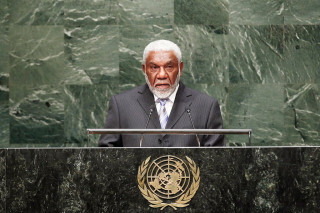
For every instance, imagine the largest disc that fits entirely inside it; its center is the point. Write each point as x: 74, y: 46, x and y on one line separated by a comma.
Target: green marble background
x: 61, y: 61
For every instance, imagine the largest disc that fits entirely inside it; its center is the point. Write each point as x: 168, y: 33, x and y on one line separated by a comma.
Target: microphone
x: 151, y: 109
x: 189, y: 113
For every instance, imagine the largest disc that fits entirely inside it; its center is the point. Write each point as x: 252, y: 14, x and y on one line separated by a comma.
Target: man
x: 166, y: 101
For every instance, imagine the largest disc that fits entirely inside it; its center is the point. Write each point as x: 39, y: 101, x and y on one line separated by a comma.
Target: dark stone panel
x: 204, y: 53
x: 84, y: 12
x: 4, y: 88
x: 258, y: 107
x: 133, y: 40
x: 4, y: 115
x: 257, y: 12
x: 208, y: 12
x: 302, y: 114
x: 36, y: 76
x: 302, y: 12
x: 105, y: 180
x: 36, y: 12
x: 92, y: 54
x: 86, y: 106
x: 301, y: 54
x: 146, y: 12
x: 256, y: 54
x: 3, y: 189
x: 4, y: 12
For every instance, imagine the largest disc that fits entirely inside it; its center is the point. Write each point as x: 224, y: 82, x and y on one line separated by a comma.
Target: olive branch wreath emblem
x: 155, y: 201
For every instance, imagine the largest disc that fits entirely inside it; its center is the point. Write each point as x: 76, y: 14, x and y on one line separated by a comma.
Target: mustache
x: 159, y: 82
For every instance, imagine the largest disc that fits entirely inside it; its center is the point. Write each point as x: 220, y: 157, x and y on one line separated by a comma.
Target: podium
x: 232, y: 179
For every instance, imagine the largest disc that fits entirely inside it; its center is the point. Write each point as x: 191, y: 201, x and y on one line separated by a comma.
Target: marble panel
x: 4, y: 88
x: 3, y: 188
x: 37, y: 72
x: 257, y: 12
x: 258, y: 107
x: 4, y: 12
x: 283, y: 180
x: 133, y: 39
x: 302, y: 53
x: 86, y: 106
x: 302, y: 114
x: 204, y: 53
x: 92, y: 54
x: 208, y: 12
x: 36, y: 12
x: 256, y: 54
x: 302, y: 12
x: 36, y: 57
x: 105, y: 180
x: 86, y: 12
x: 146, y: 12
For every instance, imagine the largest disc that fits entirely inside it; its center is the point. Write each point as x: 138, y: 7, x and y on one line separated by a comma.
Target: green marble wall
x: 60, y: 62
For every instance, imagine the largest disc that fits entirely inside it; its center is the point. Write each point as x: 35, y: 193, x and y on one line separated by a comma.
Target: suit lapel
x: 182, y: 101
x: 146, y: 100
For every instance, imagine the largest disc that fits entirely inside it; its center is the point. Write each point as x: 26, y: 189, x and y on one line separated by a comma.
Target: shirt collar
x: 172, y: 97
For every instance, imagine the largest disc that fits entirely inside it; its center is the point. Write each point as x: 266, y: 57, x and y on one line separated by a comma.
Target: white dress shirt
x: 169, y: 103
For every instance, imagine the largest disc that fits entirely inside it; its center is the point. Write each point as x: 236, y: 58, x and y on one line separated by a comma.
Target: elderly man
x: 163, y: 102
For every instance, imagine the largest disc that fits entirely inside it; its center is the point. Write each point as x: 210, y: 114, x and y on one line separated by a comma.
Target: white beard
x: 163, y: 93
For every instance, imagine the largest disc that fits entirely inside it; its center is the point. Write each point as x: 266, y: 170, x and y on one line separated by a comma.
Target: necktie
x: 163, y: 116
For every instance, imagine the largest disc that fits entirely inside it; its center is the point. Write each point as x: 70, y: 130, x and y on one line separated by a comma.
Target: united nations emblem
x: 168, y: 181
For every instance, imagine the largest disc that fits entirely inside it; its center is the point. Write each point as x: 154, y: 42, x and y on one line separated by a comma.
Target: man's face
x: 162, y: 70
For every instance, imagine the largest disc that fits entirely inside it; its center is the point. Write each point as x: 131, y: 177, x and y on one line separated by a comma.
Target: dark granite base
x: 2, y: 181
x: 105, y: 180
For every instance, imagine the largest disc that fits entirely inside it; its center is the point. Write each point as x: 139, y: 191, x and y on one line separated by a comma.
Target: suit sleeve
x: 214, y: 122
x: 112, y: 122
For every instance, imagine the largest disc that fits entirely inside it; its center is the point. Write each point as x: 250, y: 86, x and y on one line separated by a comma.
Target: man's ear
x: 144, y: 68
x: 181, y: 68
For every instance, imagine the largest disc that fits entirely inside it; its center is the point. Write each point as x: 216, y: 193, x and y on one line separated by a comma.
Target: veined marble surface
x: 36, y: 12
x: 84, y: 12
x: 256, y: 54
x: 302, y: 53
x: 3, y: 188
x: 207, y: 12
x: 105, y: 180
x: 92, y: 53
x: 258, y: 107
x: 4, y: 12
x: 257, y: 12
x: 36, y: 77
x: 61, y: 61
x: 4, y: 88
x: 302, y: 114
x: 81, y: 99
x: 302, y: 12
x: 146, y: 12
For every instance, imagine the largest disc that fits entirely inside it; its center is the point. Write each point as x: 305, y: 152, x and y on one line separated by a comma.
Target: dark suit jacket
x: 130, y: 110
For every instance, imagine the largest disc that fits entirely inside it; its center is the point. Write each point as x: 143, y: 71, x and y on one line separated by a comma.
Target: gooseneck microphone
x: 151, y: 109
x: 189, y: 113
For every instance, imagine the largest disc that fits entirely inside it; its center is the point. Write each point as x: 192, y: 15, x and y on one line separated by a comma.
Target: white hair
x: 161, y: 45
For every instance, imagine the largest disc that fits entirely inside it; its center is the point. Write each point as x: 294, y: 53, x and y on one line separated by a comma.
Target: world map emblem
x: 168, y: 181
